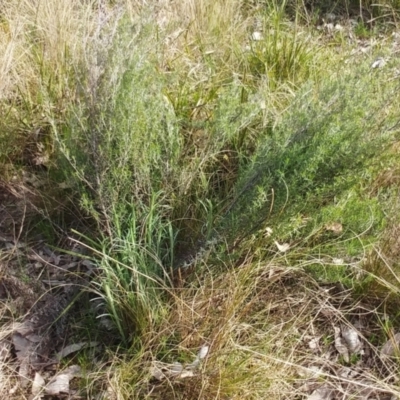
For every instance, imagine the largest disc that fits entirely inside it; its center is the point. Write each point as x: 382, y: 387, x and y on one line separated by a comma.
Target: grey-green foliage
x: 122, y: 140
x: 234, y: 112
x: 120, y: 147
x: 328, y: 136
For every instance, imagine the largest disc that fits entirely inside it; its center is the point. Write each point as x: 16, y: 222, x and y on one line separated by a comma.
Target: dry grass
x: 260, y: 322
x: 43, y: 45
x: 41, y: 38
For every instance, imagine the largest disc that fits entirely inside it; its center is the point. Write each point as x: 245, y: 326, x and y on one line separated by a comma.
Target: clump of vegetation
x: 231, y: 171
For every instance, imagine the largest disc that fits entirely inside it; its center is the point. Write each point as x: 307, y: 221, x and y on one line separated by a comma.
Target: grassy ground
x: 232, y: 169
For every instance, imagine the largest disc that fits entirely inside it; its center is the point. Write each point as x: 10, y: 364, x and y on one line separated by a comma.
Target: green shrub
x: 127, y: 151
x: 319, y: 151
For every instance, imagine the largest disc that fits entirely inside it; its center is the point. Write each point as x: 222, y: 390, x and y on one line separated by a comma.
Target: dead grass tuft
x: 271, y: 333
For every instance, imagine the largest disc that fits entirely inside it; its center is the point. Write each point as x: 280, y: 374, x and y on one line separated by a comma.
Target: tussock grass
x: 267, y: 314
x: 41, y: 43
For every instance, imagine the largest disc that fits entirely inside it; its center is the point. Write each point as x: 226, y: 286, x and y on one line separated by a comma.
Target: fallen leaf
x: 59, y: 386
x: 54, y: 258
x: 274, y: 272
x: 73, y: 348
x: 344, y: 372
x: 38, y: 384
x: 60, y: 383
x: 338, y: 261
x: 22, y: 346
x: 161, y: 371
x: 176, y: 368
x: 256, y: 36
x: 282, y: 247
x: 340, y: 345
x: 313, y: 344
x: 268, y: 231
x: 203, y: 352
x: 24, y: 328
x: 378, y: 63
x: 352, y: 340
x: 186, y: 374
x: 200, y: 356
x: 24, y: 341
x: 334, y: 227
x: 392, y: 346
x: 23, y: 373
x: 322, y: 393
x: 157, y: 373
